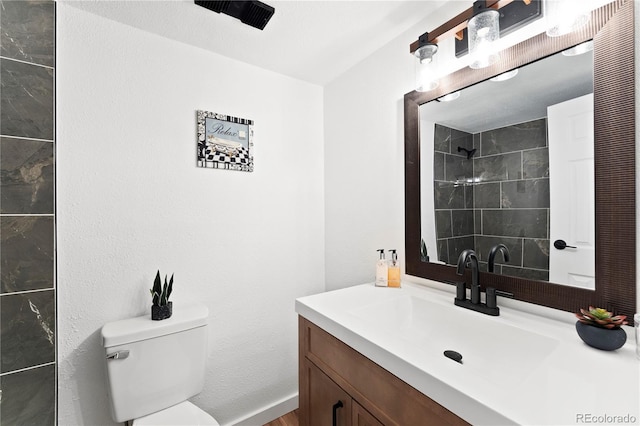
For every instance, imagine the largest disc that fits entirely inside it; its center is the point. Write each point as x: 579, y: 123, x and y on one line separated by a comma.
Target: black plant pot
x: 161, y: 312
x: 601, y: 338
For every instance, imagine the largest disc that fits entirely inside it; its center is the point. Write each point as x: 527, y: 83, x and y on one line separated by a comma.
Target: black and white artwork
x: 224, y: 142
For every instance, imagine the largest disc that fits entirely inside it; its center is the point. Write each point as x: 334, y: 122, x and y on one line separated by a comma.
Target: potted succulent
x: 600, y: 329
x: 161, y: 307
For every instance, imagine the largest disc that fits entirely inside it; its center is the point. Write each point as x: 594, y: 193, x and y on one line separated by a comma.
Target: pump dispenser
x: 382, y: 270
x: 394, y: 270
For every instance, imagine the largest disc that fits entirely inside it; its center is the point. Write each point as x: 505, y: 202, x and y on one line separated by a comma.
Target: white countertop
x: 557, y: 380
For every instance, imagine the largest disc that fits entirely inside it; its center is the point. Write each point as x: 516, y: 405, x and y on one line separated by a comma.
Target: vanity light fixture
x: 565, y: 16
x: 484, y: 30
x: 450, y: 97
x: 585, y: 47
x: 505, y: 76
x: 426, y: 50
x: 427, y: 77
x: 476, y: 29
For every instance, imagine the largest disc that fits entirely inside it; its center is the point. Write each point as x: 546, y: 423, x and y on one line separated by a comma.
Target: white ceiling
x: 490, y: 105
x: 314, y: 41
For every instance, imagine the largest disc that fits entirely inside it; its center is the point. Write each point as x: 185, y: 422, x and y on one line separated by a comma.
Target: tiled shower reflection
x: 499, y: 194
x: 27, y: 207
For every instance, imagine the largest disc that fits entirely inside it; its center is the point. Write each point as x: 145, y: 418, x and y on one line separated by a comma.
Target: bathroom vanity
x: 375, y: 356
x: 340, y: 386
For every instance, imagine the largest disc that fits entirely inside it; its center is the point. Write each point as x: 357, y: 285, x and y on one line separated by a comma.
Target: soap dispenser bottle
x: 394, y: 270
x: 381, y: 270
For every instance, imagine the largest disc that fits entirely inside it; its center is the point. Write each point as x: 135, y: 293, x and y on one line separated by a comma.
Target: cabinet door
x: 327, y: 403
x: 362, y: 417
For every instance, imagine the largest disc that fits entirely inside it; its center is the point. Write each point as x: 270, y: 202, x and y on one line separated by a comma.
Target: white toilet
x: 153, y: 367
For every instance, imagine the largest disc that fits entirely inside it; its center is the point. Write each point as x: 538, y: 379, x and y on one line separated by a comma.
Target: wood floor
x: 289, y: 419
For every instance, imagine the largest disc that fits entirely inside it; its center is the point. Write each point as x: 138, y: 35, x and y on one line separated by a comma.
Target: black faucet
x: 469, y: 255
x: 492, y: 255
x: 490, y: 306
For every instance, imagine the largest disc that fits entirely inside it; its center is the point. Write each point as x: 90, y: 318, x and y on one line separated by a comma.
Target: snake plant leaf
x: 159, y: 293
x: 163, y: 296
x: 156, y: 290
x: 157, y: 283
x: 170, y: 288
x: 155, y: 298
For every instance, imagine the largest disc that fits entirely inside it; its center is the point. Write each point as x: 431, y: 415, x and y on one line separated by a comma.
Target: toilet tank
x: 152, y: 365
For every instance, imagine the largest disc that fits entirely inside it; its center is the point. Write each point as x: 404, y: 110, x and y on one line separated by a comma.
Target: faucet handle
x: 461, y: 290
x: 491, y: 298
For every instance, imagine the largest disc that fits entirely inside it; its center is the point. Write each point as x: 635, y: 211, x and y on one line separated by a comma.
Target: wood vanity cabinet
x: 329, y: 404
x: 341, y: 387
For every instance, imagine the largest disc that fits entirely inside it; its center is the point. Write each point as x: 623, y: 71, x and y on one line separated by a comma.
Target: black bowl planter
x: 601, y: 338
x: 161, y: 312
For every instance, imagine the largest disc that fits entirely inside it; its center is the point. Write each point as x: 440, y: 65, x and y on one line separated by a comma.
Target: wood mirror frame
x: 612, y: 29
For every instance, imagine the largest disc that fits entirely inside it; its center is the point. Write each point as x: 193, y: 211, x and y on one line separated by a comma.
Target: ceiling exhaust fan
x: 253, y: 13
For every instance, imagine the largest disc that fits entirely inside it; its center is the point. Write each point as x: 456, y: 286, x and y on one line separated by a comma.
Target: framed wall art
x: 224, y: 142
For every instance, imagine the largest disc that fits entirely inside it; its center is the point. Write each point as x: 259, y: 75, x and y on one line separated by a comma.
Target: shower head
x: 470, y: 153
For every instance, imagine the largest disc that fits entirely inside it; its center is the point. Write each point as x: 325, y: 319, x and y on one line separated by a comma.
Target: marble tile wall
x: 27, y: 213
x: 508, y: 202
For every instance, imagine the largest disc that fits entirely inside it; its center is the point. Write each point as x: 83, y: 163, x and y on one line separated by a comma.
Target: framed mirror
x: 612, y: 31
x: 488, y: 152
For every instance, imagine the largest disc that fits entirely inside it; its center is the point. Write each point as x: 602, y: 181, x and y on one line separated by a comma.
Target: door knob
x: 562, y: 244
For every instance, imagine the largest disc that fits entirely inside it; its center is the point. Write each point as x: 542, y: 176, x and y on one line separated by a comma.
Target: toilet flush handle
x: 118, y: 355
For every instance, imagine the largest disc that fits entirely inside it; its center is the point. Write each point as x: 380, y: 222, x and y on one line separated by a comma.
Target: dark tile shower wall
x: 453, y: 196
x: 508, y: 196
x: 27, y: 207
x: 512, y: 197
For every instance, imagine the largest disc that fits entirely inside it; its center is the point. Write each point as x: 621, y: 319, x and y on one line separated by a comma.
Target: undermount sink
x: 490, y: 348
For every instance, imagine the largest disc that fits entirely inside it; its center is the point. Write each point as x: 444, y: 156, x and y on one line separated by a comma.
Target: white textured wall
x: 364, y: 149
x: 364, y: 157
x: 130, y: 200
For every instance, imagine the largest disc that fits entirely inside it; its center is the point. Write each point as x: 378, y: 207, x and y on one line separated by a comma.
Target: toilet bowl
x: 154, y: 367
x: 184, y: 413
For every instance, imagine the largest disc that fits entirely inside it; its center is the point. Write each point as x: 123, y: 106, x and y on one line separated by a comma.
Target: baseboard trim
x: 269, y: 412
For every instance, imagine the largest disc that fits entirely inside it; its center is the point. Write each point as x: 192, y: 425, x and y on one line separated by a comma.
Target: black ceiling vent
x: 253, y: 13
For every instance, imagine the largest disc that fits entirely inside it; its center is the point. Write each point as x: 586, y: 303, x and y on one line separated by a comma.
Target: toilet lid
x: 184, y: 413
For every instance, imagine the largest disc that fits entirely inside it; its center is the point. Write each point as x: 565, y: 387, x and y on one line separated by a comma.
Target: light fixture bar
x: 512, y: 17
x: 457, y: 24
